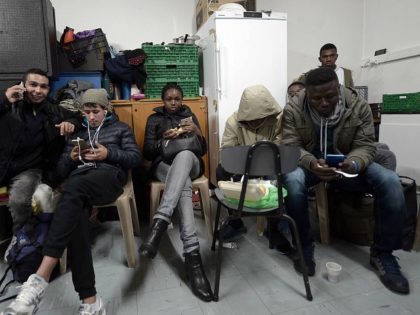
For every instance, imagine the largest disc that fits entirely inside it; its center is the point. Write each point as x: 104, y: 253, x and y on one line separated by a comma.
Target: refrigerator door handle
x: 218, y: 71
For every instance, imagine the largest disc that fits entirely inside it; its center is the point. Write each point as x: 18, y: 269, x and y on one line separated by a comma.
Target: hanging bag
x: 169, y: 148
x: 410, y: 221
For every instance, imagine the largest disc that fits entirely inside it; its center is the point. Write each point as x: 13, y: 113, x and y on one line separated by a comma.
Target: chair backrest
x: 263, y: 158
x: 266, y: 156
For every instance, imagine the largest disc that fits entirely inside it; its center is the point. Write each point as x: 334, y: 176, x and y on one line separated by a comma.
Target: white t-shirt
x: 340, y: 74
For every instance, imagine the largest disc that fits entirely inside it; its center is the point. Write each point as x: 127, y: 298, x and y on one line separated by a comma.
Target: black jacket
x: 12, y: 128
x: 116, y: 136
x: 157, y: 124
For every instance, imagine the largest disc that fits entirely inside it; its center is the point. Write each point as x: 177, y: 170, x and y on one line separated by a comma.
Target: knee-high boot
x: 150, y: 245
x: 195, y: 273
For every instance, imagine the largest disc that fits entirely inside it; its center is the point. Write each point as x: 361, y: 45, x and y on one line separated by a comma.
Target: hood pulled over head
x: 257, y: 103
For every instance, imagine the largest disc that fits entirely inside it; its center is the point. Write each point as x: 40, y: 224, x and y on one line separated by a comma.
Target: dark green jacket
x: 353, y: 136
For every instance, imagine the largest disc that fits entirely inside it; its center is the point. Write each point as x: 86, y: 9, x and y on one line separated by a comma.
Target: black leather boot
x: 150, y: 245
x: 195, y: 273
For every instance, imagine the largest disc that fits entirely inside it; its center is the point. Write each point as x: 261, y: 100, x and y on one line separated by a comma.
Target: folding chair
x: 264, y: 158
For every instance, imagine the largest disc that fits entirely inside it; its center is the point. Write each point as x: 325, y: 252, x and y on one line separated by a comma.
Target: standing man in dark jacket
x: 97, y: 176
x: 32, y: 138
x: 331, y: 119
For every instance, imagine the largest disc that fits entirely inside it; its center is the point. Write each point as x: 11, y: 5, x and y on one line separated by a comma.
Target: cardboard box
x: 205, y: 8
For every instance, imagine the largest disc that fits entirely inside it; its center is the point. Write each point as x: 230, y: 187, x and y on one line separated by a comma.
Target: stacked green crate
x: 408, y: 103
x: 173, y: 63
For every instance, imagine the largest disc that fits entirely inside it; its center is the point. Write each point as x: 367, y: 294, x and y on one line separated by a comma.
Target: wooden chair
x: 264, y: 158
x: 127, y: 212
x: 201, y: 184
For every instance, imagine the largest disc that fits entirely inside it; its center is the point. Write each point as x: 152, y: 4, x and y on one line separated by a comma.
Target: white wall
x: 393, y: 25
x: 128, y: 23
x: 314, y: 23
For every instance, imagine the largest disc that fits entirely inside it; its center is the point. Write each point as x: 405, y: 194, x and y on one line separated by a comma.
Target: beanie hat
x: 96, y: 96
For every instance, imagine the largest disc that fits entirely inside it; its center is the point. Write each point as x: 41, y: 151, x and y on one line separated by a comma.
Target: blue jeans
x: 385, y: 186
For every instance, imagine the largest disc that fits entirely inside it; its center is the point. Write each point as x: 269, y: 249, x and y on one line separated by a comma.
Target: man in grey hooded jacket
x: 258, y: 118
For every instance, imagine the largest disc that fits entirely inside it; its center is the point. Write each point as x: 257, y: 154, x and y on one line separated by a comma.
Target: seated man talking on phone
x: 32, y: 138
x: 96, y: 176
x: 328, y: 118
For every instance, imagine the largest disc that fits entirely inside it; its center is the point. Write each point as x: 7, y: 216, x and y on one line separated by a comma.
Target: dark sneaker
x: 280, y: 242
x: 229, y: 232
x: 389, y: 272
x: 308, y: 255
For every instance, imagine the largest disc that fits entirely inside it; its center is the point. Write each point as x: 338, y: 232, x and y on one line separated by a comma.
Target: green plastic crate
x: 154, y: 88
x: 188, y: 71
x: 171, y: 54
x: 408, y: 103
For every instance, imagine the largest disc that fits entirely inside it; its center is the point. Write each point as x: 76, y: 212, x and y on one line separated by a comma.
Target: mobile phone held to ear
x: 333, y: 160
x: 81, y: 143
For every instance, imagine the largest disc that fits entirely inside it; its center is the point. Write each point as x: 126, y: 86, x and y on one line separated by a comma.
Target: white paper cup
x: 333, y: 270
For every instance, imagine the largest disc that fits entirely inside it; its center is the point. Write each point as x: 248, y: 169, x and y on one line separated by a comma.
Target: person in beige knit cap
x: 96, y: 176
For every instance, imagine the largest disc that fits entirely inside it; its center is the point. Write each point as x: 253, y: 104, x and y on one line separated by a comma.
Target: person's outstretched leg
x: 200, y: 285
x: 174, y: 176
x: 70, y: 220
x: 297, y: 184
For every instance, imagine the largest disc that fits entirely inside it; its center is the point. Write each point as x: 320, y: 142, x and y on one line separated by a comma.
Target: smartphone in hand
x: 333, y: 160
x: 19, y: 95
x: 81, y: 143
x: 185, y: 121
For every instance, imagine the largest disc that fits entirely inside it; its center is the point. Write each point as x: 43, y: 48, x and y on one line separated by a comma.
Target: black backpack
x: 25, y: 255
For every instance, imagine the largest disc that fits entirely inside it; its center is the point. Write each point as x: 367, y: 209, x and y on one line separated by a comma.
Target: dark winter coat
x: 12, y: 129
x: 157, y: 124
x: 116, y: 136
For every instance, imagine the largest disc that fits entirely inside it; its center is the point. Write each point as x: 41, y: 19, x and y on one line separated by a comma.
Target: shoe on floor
x: 308, y: 256
x: 230, y: 232
x: 29, y: 297
x: 389, y: 272
x: 280, y: 242
x: 97, y: 308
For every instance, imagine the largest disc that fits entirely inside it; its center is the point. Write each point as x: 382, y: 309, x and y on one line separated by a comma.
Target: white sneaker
x: 6, y: 253
x: 29, y: 297
x: 97, y: 308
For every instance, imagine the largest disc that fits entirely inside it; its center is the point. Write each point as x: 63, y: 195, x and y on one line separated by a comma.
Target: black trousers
x: 70, y: 226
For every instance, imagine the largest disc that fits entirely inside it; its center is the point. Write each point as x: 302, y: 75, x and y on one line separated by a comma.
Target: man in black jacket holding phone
x: 32, y: 138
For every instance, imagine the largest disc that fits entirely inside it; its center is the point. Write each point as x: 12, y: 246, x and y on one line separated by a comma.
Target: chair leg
x: 260, y: 225
x: 216, y: 224
x: 206, y: 208
x: 155, y: 189
x: 124, y: 212
x: 219, y: 262
x: 63, y: 262
x: 135, y: 215
x: 300, y: 252
x: 323, y: 215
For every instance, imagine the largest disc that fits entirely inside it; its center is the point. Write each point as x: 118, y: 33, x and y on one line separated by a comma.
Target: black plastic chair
x: 264, y: 158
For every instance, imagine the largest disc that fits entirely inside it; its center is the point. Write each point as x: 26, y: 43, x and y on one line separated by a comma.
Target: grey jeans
x: 20, y: 196
x: 178, y: 193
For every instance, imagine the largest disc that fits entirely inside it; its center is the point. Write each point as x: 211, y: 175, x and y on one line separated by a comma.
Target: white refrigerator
x: 240, y: 49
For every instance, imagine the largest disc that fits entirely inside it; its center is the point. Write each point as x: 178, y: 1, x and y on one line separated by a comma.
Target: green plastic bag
x: 270, y: 200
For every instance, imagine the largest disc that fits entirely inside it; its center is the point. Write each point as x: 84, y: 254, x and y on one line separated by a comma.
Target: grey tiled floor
x: 255, y: 280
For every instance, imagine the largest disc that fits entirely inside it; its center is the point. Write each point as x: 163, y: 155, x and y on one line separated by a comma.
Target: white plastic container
x: 254, y: 192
